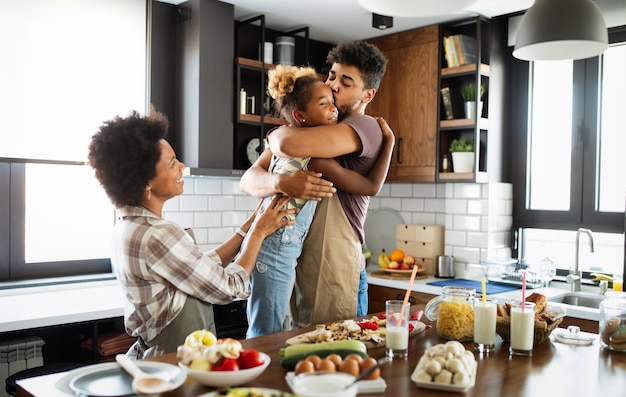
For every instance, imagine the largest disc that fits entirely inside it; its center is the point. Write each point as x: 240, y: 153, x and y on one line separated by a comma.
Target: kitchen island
x: 554, y: 369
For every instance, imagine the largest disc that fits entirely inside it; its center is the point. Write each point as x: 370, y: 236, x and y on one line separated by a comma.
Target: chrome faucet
x: 574, y: 276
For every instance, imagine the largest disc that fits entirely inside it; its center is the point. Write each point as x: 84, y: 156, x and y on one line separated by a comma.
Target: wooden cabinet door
x: 378, y: 295
x: 407, y: 99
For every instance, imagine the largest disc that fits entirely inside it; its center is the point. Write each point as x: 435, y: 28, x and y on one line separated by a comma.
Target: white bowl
x: 227, y: 378
x: 324, y: 384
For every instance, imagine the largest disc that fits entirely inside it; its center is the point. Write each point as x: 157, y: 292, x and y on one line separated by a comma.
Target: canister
x: 445, y: 266
x: 613, y: 321
x: 454, y: 312
x: 285, y: 50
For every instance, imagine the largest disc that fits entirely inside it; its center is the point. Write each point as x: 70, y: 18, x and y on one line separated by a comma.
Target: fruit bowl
x: 227, y: 378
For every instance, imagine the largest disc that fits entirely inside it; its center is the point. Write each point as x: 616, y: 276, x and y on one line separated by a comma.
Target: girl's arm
x: 353, y: 182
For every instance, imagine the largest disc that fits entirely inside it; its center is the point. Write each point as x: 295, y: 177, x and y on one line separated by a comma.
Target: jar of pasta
x: 454, y: 313
x: 613, y: 321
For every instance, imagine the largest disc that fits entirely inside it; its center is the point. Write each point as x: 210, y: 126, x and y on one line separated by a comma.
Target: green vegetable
x: 468, y: 92
x: 289, y: 362
x: 312, y: 347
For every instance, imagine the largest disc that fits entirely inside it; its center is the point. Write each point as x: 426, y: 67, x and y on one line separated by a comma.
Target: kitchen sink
x: 583, y: 299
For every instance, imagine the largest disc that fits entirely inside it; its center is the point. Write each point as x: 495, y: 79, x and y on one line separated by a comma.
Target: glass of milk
x: 484, y: 325
x: 522, y: 328
x: 397, y: 329
x: 324, y: 384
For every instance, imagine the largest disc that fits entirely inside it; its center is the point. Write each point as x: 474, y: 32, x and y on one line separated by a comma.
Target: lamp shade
x: 561, y: 29
x: 415, y: 8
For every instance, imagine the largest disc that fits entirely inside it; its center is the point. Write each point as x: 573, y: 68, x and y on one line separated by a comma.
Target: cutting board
x: 461, y: 282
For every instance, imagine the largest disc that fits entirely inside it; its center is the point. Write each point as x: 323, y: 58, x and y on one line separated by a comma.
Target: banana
x: 383, y: 259
x: 601, y: 277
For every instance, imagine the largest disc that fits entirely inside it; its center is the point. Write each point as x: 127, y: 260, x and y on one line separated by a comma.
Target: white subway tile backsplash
x: 401, y: 189
x: 412, y: 204
x: 477, y: 217
x: 467, y: 190
x: 194, y: 202
x: 222, y: 203
x: 207, y: 185
x: 425, y: 190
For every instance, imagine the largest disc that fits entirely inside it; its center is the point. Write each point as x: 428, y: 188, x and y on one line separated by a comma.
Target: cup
x: 324, y: 384
x: 485, y: 325
x: 397, y: 329
x: 522, y: 328
x: 618, y: 282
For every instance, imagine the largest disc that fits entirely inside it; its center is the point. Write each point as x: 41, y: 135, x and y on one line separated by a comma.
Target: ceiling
x: 333, y: 21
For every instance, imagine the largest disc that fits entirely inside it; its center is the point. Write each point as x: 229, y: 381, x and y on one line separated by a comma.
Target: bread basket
x: 543, y: 328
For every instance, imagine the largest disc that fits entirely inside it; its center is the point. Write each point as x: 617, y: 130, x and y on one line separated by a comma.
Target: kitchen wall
x: 477, y: 217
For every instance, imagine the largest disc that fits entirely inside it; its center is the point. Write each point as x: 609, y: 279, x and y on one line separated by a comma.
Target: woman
x: 169, y: 284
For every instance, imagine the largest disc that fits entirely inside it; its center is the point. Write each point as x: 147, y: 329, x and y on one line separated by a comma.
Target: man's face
x: 348, y: 88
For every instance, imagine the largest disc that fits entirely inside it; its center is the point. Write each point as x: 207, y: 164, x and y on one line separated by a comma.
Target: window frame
x: 584, y: 144
x: 12, y: 232
x: 582, y: 213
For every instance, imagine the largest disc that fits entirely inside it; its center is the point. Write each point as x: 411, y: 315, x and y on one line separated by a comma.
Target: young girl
x: 304, y: 101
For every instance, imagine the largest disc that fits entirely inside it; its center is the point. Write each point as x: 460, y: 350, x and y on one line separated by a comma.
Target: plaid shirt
x: 158, y: 265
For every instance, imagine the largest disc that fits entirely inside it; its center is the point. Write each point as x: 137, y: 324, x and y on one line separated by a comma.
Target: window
x: 66, y: 68
x: 571, y: 147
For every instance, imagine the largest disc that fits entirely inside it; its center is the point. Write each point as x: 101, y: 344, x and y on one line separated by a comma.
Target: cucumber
x: 289, y: 362
x: 312, y: 347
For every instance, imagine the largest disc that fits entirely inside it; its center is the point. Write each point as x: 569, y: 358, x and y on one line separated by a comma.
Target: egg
x: 326, y: 365
x: 350, y: 366
x: 335, y: 358
x: 304, y: 366
x: 315, y: 359
x: 365, y: 364
x: 355, y: 357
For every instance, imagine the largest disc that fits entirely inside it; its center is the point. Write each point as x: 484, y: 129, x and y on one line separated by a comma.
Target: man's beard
x: 347, y: 108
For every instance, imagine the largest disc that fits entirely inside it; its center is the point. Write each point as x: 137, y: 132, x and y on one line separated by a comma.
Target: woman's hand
x: 268, y: 220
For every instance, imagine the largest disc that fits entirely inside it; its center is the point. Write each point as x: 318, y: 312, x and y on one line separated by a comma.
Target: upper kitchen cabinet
x: 464, y: 98
x: 407, y: 99
x: 254, y: 112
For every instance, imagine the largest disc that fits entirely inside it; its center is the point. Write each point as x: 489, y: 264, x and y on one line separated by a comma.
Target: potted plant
x: 462, y: 151
x: 468, y: 93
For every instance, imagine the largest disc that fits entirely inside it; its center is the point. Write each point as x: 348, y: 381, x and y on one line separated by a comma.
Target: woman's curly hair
x: 366, y: 57
x: 124, y: 153
x: 289, y: 87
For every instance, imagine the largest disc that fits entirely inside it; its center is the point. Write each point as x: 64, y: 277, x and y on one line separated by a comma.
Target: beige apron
x: 327, y: 275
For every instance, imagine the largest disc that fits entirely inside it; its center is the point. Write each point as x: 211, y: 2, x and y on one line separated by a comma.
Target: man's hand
x: 306, y: 184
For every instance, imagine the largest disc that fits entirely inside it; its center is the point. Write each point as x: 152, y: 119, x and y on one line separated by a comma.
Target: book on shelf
x: 448, y: 47
x: 447, y: 102
x: 465, y: 48
x: 452, y: 103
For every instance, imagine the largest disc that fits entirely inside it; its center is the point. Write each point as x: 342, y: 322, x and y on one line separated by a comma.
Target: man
x: 331, y: 281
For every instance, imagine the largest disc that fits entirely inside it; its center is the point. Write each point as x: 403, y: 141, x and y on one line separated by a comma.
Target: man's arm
x: 326, y: 141
x: 257, y: 181
x: 353, y: 182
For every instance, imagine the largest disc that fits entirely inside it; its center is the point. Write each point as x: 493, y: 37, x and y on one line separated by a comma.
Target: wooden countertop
x: 555, y: 369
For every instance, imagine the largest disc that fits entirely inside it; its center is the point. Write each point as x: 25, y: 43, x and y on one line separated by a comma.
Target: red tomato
x: 226, y: 364
x: 250, y: 358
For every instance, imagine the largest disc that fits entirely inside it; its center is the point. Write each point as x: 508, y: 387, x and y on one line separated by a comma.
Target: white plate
x: 441, y: 386
x: 264, y: 392
x: 110, y: 380
x: 380, y: 230
x: 365, y: 386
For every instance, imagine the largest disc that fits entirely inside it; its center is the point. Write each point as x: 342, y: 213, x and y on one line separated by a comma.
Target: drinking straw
x: 408, y: 292
x: 484, y: 290
x: 523, y: 289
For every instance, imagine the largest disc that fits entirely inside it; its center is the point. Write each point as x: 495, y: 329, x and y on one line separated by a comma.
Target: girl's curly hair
x: 124, y: 153
x: 289, y: 87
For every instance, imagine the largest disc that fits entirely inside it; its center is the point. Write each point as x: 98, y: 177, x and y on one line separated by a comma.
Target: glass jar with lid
x: 613, y: 321
x: 454, y: 312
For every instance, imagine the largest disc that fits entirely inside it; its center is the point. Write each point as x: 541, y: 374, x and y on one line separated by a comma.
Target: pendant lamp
x: 415, y: 8
x: 561, y: 29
